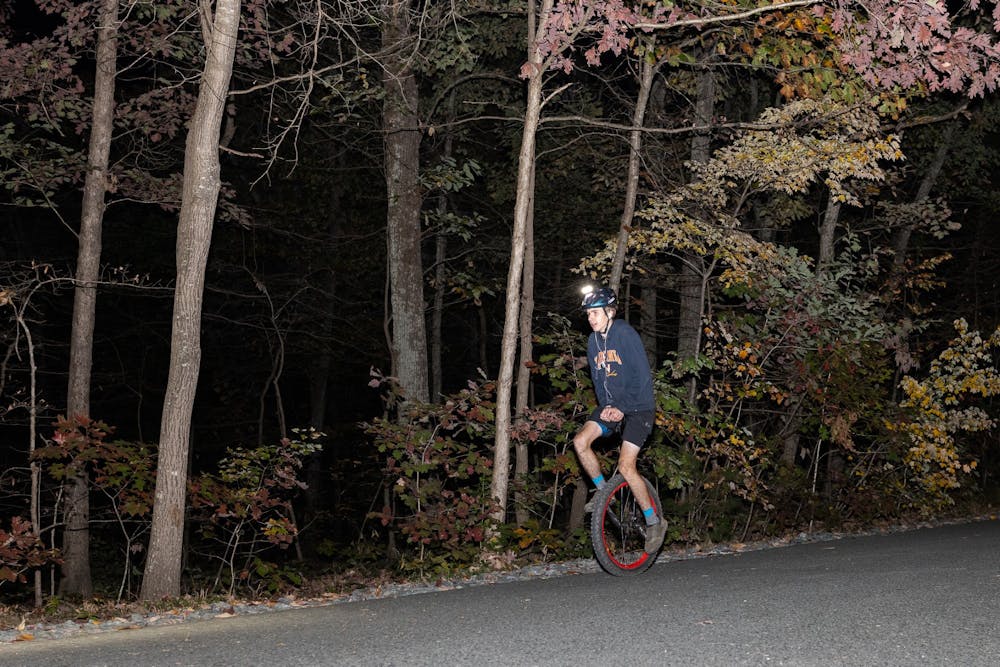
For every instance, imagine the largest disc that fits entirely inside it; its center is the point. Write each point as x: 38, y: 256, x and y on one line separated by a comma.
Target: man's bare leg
x: 582, y: 441
x: 626, y: 466
x: 655, y: 532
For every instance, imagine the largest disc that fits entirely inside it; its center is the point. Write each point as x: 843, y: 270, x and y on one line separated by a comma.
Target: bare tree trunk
x: 319, y: 380
x: 577, y: 507
x: 791, y: 422
x: 632, y: 180
x: 199, y: 198
x: 827, y: 255
x: 76, y: 579
x: 273, y: 380
x: 525, y: 354
x: 499, y: 485
x: 901, y: 239
x: 34, y: 466
x: 319, y: 375
x: 440, y: 275
x: 647, y: 314
x: 402, y: 162
x: 437, y: 310
x: 690, y: 281
x: 828, y: 235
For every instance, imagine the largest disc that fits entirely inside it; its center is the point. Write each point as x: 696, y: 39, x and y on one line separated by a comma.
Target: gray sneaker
x: 655, y: 535
x: 589, y: 507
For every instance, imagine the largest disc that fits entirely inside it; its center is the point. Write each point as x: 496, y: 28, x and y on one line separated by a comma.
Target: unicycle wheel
x: 618, y: 528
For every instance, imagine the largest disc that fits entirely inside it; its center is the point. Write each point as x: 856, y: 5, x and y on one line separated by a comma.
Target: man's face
x: 598, y: 319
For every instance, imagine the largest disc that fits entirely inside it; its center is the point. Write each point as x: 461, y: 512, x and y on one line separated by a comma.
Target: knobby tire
x: 618, y: 528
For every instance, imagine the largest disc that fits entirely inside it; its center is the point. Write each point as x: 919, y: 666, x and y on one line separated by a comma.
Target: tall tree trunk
x: 525, y: 355
x: 319, y: 372
x: 632, y: 180
x: 440, y: 272
x: 34, y: 504
x: 437, y: 309
x: 647, y: 315
x: 402, y: 162
x: 76, y: 579
x: 901, y: 239
x: 199, y: 198
x: 827, y: 255
x: 500, y: 483
x: 690, y: 282
x: 791, y: 421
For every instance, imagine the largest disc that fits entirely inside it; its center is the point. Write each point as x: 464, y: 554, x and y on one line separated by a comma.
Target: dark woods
x: 409, y: 198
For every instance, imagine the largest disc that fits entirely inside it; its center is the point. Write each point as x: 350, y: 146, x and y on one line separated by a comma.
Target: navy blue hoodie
x: 620, y: 369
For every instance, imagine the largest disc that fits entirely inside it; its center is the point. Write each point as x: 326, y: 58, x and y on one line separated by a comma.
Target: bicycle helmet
x: 602, y: 297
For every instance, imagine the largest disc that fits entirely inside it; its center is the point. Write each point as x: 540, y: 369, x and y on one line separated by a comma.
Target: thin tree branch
x: 729, y: 17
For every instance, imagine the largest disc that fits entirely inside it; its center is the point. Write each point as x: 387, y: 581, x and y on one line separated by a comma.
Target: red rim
x: 624, y: 566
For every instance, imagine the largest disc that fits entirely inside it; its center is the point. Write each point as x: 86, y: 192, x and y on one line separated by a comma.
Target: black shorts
x: 635, y: 427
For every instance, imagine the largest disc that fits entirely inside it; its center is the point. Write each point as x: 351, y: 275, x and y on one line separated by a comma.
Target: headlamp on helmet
x: 602, y: 297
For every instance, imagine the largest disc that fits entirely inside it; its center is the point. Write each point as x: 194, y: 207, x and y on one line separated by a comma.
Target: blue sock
x: 598, y: 481
x: 650, y: 515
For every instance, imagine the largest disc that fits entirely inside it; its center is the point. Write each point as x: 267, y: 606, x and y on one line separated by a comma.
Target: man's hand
x: 612, y: 414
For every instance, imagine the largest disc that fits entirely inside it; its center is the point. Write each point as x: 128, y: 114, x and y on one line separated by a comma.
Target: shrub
x: 244, y: 511
x: 437, y: 464
x: 21, y: 551
x: 943, y: 404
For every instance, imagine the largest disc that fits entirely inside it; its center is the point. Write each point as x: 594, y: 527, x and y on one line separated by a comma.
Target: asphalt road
x: 925, y: 597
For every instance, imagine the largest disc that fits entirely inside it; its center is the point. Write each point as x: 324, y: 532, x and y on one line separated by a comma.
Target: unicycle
x: 618, y: 529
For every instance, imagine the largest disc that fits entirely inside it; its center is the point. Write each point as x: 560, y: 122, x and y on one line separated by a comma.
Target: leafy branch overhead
x: 809, y: 142
x: 891, y: 44
x: 910, y: 43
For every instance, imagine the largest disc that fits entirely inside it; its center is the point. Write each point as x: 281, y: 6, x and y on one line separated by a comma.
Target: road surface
x: 924, y: 597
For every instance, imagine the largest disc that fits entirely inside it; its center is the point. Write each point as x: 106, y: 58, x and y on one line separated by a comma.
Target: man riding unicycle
x: 624, y: 386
